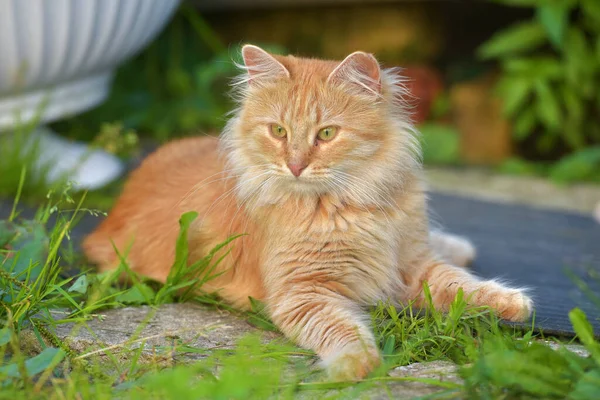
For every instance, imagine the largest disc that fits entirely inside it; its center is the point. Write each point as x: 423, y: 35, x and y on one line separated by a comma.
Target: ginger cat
x: 320, y: 166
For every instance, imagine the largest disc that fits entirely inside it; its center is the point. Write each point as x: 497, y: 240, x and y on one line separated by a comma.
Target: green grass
x: 497, y: 361
x: 19, y: 151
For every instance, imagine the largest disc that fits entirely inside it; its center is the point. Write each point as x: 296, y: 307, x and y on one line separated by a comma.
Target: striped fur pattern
x: 351, y: 230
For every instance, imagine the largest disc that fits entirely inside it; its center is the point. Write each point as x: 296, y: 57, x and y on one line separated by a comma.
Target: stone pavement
x: 118, y: 331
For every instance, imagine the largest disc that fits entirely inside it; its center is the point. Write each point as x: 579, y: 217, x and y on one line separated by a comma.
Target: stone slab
x: 124, y: 329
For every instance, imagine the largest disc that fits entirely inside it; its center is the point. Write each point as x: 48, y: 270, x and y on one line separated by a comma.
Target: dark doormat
x: 550, y: 252
x: 546, y: 251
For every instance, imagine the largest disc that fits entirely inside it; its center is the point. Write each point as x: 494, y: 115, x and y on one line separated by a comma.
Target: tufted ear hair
x: 361, y: 69
x: 262, y: 65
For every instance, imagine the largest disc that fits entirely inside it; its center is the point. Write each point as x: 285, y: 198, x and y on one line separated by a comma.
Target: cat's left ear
x: 359, y: 68
x: 261, y: 65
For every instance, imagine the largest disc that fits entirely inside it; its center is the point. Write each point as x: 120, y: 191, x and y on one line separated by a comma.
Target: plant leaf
x: 5, y: 336
x: 259, y: 317
x: 534, y: 371
x: 181, y: 246
x: 574, y: 104
x: 573, y: 135
x: 584, y: 332
x: 580, y: 63
x: 547, y: 106
x: 513, y: 40
x: 7, y: 233
x: 524, y: 124
x: 80, y: 285
x: 389, y: 346
x: 554, y: 18
x: 534, y: 68
x: 46, y: 359
x: 577, y: 166
x: 587, y: 387
x: 591, y: 8
x: 514, y: 93
x: 30, y: 241
x: 138, y: 294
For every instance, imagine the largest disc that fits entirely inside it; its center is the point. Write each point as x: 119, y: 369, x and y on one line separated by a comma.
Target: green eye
x: 327, y: 133
x: 278, y: 131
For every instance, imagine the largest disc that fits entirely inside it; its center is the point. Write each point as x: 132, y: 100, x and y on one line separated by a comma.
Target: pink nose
x: 297, y: 168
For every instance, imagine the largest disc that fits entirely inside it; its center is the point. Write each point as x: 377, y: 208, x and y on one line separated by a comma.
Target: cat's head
x: 308, y: 127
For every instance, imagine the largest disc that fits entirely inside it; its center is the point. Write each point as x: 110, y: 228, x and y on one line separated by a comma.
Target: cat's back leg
x: 143, y: 224
x: 454, y: 249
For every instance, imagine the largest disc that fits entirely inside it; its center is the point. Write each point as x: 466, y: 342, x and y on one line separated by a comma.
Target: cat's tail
x: 454, y: 249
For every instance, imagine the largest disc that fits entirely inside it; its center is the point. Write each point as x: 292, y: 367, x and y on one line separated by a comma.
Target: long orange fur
x: 349, y: 231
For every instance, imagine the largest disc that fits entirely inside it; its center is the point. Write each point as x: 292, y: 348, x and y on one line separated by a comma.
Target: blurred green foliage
x: 551, y: 79
x: 583, y: 165
x: 177, y: 86
x: 520, y: 370
x: 440, y: 143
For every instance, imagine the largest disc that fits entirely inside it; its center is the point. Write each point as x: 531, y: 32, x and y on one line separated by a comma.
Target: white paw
x: 508, y: 303
x: 352, y: 363
x: 517, y: 307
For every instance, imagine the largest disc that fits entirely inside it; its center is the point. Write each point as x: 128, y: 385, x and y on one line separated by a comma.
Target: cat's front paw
x: 510, y: 304
x: 352, y: 363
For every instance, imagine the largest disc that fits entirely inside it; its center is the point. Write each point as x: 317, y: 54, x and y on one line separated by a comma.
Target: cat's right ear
x: 261, y: 65
x: 360, y: 69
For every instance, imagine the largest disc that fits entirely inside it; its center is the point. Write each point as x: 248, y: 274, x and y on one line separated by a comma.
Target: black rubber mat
x: 548, y: 252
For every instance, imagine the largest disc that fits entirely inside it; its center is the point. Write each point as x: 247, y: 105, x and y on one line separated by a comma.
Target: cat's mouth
x: 299, y: 180
x: 306, y: 184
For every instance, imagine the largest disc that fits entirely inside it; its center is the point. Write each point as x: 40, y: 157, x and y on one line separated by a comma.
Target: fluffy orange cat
x: 320, y: 166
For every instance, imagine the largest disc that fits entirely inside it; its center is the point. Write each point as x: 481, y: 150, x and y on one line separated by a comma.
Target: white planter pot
x: 62, y: 53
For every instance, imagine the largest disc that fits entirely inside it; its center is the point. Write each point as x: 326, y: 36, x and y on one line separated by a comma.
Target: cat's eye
x: 278, y: 131
x: 327, y: 133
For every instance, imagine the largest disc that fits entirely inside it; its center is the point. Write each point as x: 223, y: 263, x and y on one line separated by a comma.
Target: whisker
x: 346, y: 192
x: 199, y: 185
x: 382, y: 192
x: 351, y: 184
x: 255, y: 193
